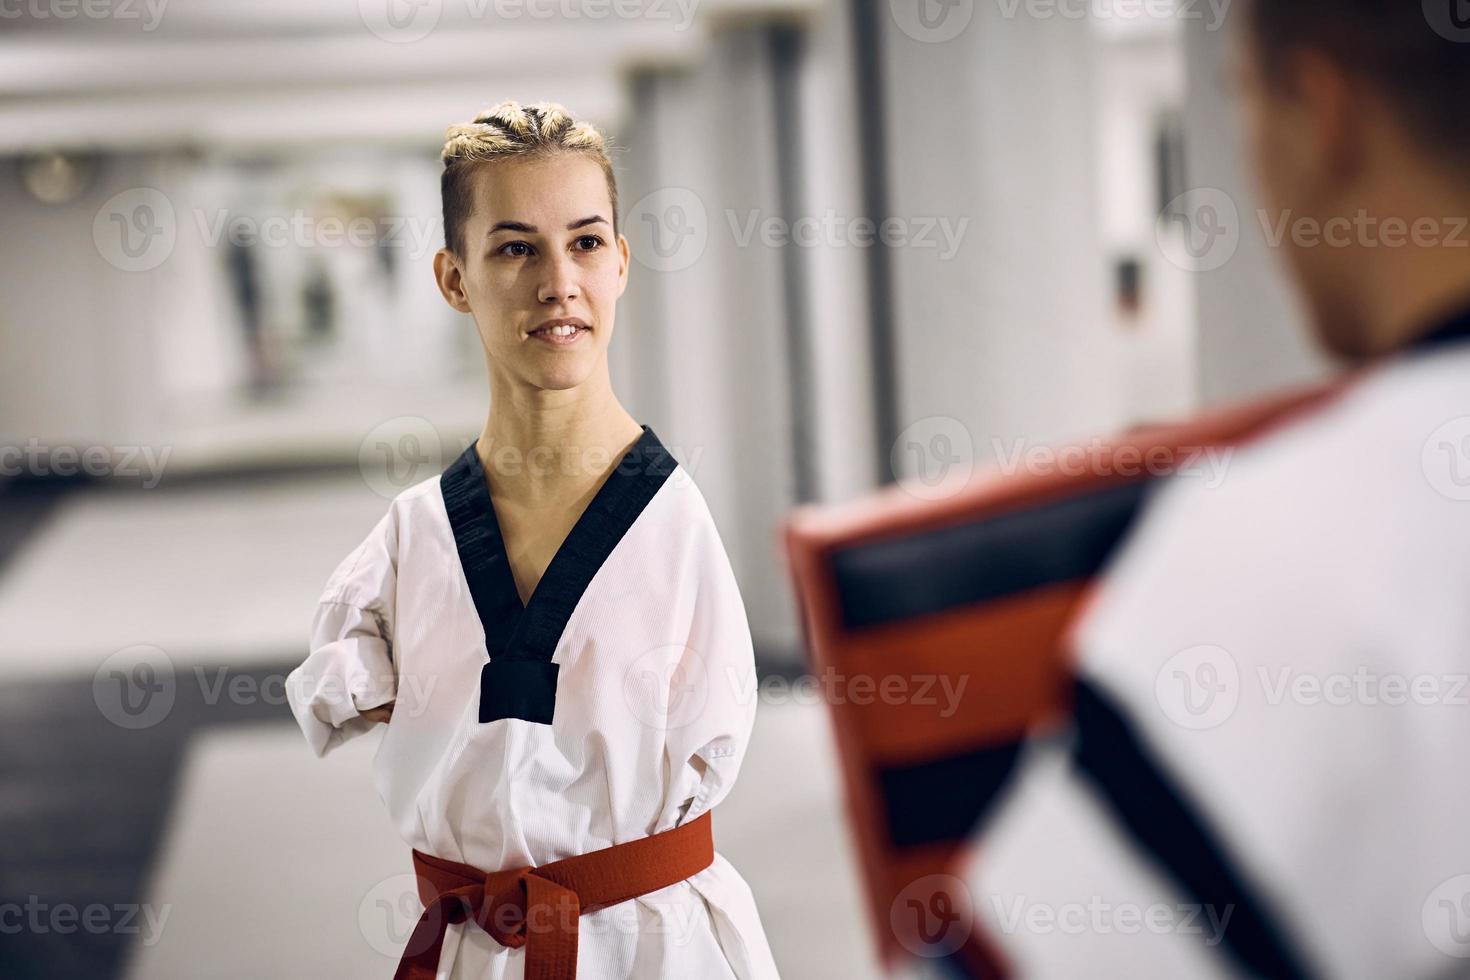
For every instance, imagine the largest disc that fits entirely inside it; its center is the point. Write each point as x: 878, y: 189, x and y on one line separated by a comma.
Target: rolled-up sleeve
x: 350, y: 666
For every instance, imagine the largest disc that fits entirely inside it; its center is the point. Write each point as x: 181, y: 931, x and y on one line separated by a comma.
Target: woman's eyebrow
x: 524, y: 228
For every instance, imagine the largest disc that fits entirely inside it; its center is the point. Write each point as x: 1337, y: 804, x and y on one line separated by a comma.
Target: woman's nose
x: 560, y: 283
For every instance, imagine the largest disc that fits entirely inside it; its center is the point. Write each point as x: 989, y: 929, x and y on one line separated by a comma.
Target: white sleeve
x: 350, y: 667
x: 713, y: 693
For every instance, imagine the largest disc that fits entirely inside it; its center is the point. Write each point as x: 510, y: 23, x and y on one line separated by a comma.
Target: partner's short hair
x: 1416, y: 54
x: 512, y: 131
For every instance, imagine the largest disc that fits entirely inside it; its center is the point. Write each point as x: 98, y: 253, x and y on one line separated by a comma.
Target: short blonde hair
x: 511, y: 130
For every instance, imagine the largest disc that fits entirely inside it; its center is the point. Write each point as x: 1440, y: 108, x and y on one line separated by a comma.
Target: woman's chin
x: 572, y: 372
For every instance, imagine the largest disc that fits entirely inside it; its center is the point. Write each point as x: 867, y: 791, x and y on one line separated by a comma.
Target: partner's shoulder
x: 1336, y: 510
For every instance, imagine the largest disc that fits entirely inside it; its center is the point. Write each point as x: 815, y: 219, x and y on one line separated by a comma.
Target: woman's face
x: 539, y: 249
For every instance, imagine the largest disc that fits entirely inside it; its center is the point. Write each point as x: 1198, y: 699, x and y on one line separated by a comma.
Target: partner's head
x: 1354, y: 106
x: 531, y: 239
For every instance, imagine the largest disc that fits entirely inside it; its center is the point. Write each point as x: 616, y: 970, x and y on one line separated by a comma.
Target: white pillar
x: 702, y: 326
x: 1007, y: 341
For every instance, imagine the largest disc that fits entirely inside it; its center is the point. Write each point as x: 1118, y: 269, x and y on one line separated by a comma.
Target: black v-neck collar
x: 514, y: 631
x: 1453, y: 329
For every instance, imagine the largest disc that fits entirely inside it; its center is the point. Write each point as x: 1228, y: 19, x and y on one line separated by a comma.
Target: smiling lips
x: 560, y: 332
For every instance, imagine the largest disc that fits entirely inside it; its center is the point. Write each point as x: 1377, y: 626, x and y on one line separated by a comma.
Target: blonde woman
x: 550, y: 629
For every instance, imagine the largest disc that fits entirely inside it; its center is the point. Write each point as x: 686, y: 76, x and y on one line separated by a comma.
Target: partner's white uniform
x: 655, y: 695
x: 1292, y: 647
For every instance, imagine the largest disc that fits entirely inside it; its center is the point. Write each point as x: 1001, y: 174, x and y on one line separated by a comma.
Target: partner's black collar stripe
x: 899, y: 578
x: 531, y: 631
x: 944, y: 800
x: 1172, y: 831
x: 481, y: 549
x: 1452, y: 331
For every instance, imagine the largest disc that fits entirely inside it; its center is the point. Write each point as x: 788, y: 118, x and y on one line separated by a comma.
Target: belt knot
x: 519, y: 904
x: 537, y: 908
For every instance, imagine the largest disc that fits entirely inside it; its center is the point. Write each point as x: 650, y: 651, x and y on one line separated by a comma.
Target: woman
x: 550, y: 629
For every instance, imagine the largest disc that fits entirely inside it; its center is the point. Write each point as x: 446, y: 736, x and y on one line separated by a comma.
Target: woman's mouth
x: 559, y: 334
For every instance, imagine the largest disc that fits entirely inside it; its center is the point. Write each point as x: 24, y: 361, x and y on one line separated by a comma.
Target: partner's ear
x: 450, y: 280
x: 1334, y: 134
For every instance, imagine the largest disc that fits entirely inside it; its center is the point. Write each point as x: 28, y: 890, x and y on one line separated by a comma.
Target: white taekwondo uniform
x: 1267, y: 768
x: 616, y: 704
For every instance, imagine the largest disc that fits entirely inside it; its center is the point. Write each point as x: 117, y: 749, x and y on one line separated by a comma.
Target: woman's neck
x: 549, y: 445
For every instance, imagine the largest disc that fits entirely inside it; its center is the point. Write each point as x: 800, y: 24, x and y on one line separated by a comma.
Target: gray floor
x: 217, y: 843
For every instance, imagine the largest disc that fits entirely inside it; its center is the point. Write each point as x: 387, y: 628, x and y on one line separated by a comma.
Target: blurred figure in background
x: 1272, y: 702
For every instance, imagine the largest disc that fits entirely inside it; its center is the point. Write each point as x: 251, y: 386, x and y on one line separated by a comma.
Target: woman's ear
x: 451, y: 281
x: 622, y: 263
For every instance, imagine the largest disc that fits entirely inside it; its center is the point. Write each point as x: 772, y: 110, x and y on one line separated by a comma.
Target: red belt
x: 538, y: 908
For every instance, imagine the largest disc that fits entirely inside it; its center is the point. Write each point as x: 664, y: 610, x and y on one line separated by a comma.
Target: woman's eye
x: 589, y: 242
x: 516, y: 250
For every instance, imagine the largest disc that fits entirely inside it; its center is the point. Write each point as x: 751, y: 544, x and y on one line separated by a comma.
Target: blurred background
x: 872, y: 239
